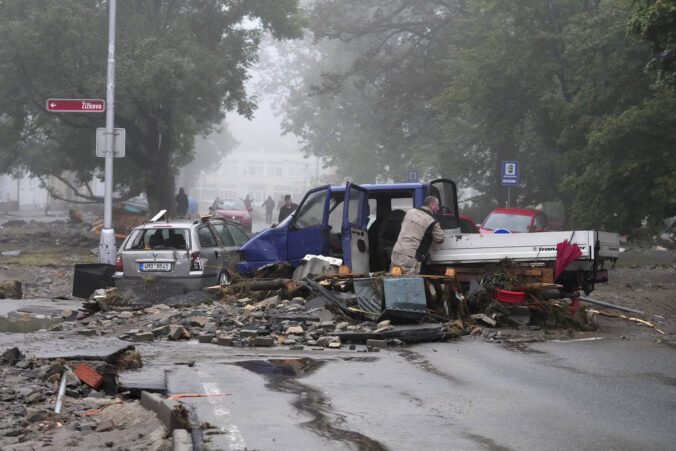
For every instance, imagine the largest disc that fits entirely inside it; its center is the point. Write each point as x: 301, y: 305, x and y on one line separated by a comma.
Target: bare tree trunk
x: 160, y: 187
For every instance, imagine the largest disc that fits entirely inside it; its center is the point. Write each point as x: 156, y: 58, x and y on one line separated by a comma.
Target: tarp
x: 565, y: 255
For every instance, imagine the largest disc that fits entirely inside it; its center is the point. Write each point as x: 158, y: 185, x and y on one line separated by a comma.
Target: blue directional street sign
x: 412, y: 175
x: 510, y: 172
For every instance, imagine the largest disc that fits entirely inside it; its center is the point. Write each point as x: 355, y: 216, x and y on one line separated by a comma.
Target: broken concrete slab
x: 206, y: 338
x: 264, y: 341
x: 143, y: 337
x: 177, y: 332
x: 405, y: 333
x: 150, y: 381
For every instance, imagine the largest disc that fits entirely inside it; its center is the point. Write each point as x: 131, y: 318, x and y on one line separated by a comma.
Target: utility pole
x: 107, y: 248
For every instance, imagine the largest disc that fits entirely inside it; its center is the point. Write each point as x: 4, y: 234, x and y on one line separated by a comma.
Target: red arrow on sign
x: 76, y: 105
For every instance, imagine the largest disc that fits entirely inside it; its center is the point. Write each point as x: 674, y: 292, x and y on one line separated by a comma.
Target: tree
x: 364, y: 102
x: 617, y: 131
x: 180, y: 65
x: 626, y: 170
x: 455, y: 87
x: 655, y: 22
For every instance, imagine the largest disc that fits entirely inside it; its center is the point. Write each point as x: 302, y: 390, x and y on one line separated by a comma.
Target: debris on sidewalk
x: 11, y: 290
x: 29, y: 396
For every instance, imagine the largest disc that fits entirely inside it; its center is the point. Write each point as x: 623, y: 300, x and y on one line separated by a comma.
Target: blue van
x: 356, y: 223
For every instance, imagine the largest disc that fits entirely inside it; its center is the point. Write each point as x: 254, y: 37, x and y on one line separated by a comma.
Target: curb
x: 181, y: 440
x: 165, y: 411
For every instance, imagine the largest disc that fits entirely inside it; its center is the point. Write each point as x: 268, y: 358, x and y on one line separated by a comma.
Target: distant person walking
x: 269, y: 205
x: 248, y: 201
x: 286, y: 209
x: 181, y: 202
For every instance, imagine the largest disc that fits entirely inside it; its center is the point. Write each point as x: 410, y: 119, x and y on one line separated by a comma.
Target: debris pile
x: 509, y: 297
x: 34, y: 415
x: 335, y: 310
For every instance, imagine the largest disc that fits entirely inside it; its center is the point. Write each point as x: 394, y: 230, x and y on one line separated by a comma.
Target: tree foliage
x: 626, y: 170
x: 655, y: 21
x: 365, y: 103
x: 454, y: 87
x: 180, y: 65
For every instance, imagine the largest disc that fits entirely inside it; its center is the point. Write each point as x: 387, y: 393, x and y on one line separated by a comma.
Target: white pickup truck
x: 360, y: 225
x: 531, y: 250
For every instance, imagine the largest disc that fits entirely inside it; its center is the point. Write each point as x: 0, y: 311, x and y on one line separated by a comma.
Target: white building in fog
x: 258, y: 174
x: 22, y: 193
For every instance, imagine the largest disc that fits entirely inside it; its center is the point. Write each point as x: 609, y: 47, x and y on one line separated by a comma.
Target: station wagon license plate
x: 155, y: 266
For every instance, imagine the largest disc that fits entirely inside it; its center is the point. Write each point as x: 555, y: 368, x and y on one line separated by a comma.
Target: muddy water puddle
x: 283, y: 376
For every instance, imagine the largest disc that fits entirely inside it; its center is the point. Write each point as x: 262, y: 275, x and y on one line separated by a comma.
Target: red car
x: 233, y: 210
x: 467, y: 225
x: 464, y: 222
x: 515, y: 220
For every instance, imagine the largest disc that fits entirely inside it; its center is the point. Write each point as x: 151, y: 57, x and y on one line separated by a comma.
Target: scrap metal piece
x: 367, y: 299
x: 609, y: 305
x: 333, y: 300
x: 62, y: 389
x: 404, y: 298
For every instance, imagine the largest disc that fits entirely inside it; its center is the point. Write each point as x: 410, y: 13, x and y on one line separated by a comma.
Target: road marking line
x: 232, y: 432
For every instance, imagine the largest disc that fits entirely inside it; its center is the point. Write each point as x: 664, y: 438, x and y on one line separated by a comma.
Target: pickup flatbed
x: 523, y: 247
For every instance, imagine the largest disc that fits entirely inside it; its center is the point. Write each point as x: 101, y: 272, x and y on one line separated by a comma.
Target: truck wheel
x: 223, y: 278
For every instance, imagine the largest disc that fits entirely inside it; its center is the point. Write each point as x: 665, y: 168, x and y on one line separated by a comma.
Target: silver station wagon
x: 191, y: 253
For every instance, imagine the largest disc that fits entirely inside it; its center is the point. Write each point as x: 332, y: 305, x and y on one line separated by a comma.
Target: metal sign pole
x: 107, y: 250
x: 509, y: 192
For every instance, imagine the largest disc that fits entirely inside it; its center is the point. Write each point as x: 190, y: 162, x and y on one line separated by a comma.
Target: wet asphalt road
x: 470, y: 395
x: 604, y: 394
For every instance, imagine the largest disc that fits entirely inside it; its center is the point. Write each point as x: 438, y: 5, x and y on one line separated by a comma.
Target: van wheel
x: 223, y: 278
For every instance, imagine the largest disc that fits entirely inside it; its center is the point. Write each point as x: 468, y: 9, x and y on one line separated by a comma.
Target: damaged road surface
x: 284, y: 372
x: 587, y: 394
x: 470, y: 396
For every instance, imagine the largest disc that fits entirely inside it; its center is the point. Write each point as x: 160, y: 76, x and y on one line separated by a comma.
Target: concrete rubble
x: 28, y: 394
x: 299, y: 314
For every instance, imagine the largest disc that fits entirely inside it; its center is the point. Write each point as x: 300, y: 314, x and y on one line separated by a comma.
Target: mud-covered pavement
x: 501, y: 389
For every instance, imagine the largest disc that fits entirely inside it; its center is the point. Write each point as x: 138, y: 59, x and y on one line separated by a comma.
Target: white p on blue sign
x: 510, y: 172
x: 412, y: 175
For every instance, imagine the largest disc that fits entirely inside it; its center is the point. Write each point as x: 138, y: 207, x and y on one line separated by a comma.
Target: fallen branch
x: 618, y: 315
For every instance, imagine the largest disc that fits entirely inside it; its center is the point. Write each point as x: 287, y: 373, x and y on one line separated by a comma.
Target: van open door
x: 308, y: 232
x: 446, y: 192
x: 354, y: 230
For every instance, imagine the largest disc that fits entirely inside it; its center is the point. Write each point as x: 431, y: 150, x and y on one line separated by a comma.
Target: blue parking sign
x: 510, y: 172
x: 412, y: 175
